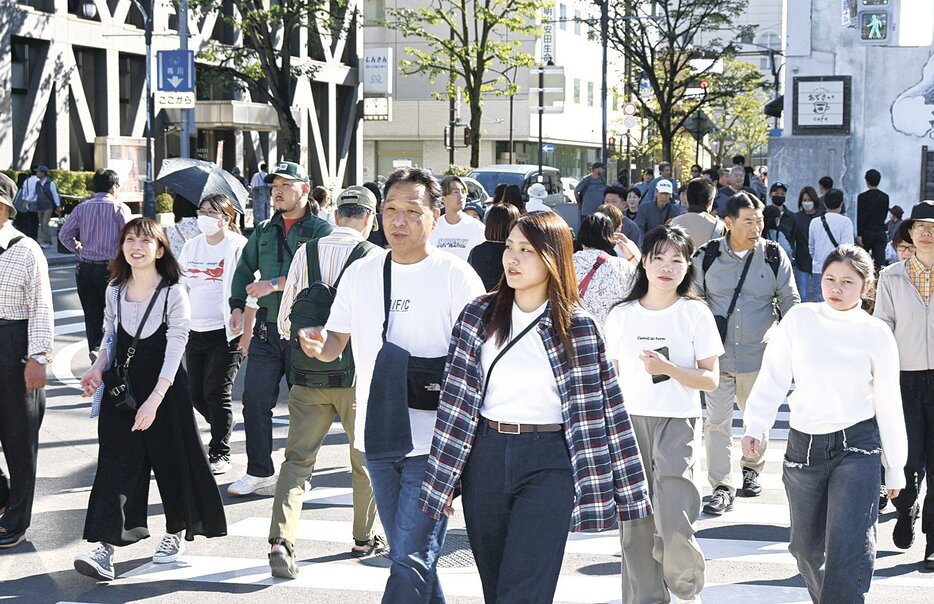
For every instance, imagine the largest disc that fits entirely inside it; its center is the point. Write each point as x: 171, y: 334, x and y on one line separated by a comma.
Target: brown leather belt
x: 504, y: 428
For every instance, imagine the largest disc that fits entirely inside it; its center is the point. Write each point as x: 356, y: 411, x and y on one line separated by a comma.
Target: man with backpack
x: 42, y: 200
x: 699, y: 221
x: 321, y: 390
x: 748, y: 283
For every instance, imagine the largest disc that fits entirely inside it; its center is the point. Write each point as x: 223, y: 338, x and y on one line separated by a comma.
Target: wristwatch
x: 275, y: 283
x: 40, y: 358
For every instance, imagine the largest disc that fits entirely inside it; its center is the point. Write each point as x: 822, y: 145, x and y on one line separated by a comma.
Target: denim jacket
x: 609, y: 482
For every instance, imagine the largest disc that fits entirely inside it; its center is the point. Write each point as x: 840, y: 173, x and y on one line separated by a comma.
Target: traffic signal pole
x: 541, y: 112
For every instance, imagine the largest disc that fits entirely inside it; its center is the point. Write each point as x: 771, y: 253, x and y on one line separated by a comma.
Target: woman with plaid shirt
x: 543, y: 439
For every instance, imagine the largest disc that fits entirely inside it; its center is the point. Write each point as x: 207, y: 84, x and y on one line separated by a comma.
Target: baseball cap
x: 778, y: 185
x: 538, y: 191
x: 42, y: 169
x: 476, y: 207
x: 8, y: 193
x: 664, y: 186
x: 236, y: 170
x: 288, y: 169
x: 358, y: 196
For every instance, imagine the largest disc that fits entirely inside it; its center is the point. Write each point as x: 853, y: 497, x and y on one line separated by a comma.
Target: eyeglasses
x: 211, y: 213
x: 921, y: 227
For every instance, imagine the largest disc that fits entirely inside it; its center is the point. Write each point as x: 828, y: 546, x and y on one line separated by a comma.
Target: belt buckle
x: 499, y: 428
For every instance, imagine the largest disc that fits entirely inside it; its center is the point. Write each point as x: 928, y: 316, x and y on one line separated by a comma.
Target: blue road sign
x: 175, y: 71
x: 548, y: 148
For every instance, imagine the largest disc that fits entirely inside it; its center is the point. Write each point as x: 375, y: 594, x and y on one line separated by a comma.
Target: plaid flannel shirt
x: 609, y: 482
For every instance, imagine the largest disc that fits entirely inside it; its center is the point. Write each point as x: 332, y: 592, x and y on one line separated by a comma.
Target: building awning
x: 232, y: 115
x: 775, y: 107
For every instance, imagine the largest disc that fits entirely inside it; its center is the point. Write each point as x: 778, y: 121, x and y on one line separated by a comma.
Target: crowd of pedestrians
x: 554, y: 379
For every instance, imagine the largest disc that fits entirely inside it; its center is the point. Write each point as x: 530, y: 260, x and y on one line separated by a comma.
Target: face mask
x: 209, y: 225
x: 807, y: 206
x: 778, y: 200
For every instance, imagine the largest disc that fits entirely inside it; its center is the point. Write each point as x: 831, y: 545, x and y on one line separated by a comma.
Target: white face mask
x: 208, y: 225
x: 807, y: 206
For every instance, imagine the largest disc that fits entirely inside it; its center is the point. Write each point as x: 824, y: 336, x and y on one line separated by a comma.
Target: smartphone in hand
x: 659, y: 378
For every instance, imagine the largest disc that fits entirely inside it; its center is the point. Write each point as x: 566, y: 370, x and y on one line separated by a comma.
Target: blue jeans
x: 269, y: 360
x: 415, y: 539
x: 832, y: 482
x: 808, y: 286
x: 518, y: 499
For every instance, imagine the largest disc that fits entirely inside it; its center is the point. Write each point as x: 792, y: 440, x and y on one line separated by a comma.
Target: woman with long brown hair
x: 145, y: 330
x: 531, y: 421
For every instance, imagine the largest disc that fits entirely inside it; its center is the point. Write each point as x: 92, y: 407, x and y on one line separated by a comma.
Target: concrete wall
x: 891, y: 117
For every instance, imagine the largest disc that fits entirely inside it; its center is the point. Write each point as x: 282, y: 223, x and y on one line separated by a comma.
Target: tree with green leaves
x: 740, y: 121
x: 660, y: 40
x: 473, y: 42
x: 269, y: 62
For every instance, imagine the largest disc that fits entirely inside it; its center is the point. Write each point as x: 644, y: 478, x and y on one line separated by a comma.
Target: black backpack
x: 311, y: 308
x: 711, y: 251
x: 13, y: 242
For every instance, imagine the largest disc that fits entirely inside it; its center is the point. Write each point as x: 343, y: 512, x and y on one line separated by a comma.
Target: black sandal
x: 374, y: 547
x: 283, y: 564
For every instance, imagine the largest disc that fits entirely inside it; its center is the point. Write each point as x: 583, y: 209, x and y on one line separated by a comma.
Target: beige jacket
x: 899, y: 304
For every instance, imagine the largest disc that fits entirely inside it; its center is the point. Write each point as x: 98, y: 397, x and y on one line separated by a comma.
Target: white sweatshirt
x: 845, y: 368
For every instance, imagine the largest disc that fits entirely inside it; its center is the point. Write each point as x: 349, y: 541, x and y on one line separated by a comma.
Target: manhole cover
x: 456, y: 553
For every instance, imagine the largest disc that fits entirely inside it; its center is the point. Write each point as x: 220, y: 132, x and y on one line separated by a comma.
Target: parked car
x: 522, y: 175
x: 568, y: 185
x: 476, y: 192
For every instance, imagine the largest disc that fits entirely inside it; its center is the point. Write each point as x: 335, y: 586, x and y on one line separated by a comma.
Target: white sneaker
x: 219, y: 464
x: 250, y: 484
x: 170, y: 548
x: 99, y: 564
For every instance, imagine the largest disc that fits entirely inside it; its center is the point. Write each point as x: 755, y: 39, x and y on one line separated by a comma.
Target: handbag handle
x: 131, y: 351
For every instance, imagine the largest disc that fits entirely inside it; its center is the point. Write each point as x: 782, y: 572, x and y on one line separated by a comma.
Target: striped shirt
x: 25, y: 291
x: 333, y: 251
x: 609, y: 482
x: 921, y: 278
x: 92, y: 230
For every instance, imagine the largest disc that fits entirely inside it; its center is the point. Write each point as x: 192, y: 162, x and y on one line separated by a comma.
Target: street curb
x: 62, y: 260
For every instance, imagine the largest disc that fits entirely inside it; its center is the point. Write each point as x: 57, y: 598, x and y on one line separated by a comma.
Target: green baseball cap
x: 289, y: 170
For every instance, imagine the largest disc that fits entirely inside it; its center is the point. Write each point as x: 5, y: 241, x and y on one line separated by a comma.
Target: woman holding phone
x: 666, y: 348
x: 531, y: 421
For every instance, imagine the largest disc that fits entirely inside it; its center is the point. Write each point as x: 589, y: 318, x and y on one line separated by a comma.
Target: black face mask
x: 778, y: 200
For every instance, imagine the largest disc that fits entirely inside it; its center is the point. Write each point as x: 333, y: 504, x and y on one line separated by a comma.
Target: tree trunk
x: 476, y: 112
x: 290, y: 138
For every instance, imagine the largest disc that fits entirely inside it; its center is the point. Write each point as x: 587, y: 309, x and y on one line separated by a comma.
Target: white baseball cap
x: 664, y: 186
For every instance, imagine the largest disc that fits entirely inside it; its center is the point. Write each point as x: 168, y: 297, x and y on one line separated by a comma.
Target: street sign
x: 630, y: 109
x: 173, y: 100
x: 550, y: 81
x: 377, y: 71
x: 630, y: 122
x: 548, y: 148
x: 175, y: 71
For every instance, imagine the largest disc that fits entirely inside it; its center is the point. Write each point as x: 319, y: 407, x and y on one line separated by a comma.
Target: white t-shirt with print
x: 203, y: 272
x: 426, y: 299
x: 687, y: 328
x: 459, y: 238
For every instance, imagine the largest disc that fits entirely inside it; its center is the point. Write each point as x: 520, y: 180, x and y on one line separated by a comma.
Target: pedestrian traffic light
x: 874, y: 22
x: 467, y: 134
x: 611, y: 143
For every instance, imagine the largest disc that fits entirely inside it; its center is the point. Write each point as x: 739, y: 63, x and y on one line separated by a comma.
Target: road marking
x: 68, y: 314
x: 61, y: 363
x: 64, y: 289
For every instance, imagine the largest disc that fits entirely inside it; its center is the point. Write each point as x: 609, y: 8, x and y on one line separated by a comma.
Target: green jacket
x: 270, y: 252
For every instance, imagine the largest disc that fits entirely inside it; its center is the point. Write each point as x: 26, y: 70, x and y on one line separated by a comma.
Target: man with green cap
x: 269, y: 252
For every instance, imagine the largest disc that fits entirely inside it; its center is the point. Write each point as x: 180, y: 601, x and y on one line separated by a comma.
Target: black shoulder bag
x: 721, y: 320
x: 424, y: 375
x: 117, y: 378
x: 823, y: 219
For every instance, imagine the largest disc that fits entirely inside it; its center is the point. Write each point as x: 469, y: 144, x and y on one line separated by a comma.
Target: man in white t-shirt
x: 428, y: 291
x: 457, y: 232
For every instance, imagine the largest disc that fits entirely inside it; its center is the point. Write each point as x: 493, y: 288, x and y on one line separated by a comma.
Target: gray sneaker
x: 99, y: 564
x: 170, y: 548
x: 720, y: 502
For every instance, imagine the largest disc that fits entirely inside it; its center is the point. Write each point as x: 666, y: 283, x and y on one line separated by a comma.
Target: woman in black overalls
x: 160, y: 436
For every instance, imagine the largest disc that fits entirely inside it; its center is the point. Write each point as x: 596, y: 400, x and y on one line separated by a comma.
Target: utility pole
x: 541, y: 112
x: 604, y: 31
x: 451, y: 109
x: 149, y: 189
x: 188, y: 115
x: 627, y: 88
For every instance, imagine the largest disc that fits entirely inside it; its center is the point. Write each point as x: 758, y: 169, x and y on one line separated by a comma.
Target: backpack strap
x: 772, y: 256
x: 13, y: 242
x: 823, y: 219
x: 311, y: 257
x: 711, y: 253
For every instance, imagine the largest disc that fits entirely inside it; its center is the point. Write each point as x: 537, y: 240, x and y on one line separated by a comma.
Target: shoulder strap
x: 585, y: 283
x: 739, y: 286
x: 387, y: 291
x: 489, y: 372
x: 772, y: 256
x: 823, y: 219
x: 359, y: 251
x: 311, y: 257
x: 139, y: 329
x: 13, y: 242
x: 711, y: 253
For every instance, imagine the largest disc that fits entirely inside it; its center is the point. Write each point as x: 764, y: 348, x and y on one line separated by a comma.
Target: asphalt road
x: 746, y: 550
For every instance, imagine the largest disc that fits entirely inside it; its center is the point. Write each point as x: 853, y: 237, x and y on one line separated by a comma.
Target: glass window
x: 590, y: 94
x: 374, y: 10
x: 577, y: 23
x: 563, y: 17
x: 577, y: 90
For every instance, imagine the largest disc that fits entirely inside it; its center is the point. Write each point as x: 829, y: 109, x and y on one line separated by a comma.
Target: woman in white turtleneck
x: 846, y: 414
